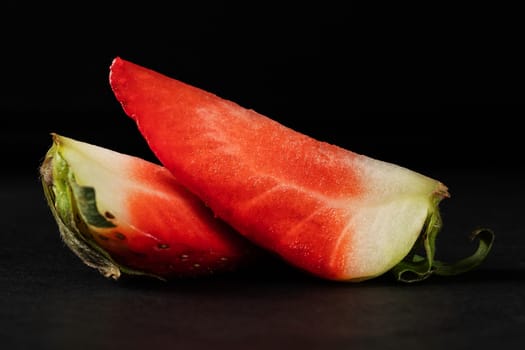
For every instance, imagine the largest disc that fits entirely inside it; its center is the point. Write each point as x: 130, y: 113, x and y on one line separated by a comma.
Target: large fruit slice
x: 334, y: 213
x: 120, y: 213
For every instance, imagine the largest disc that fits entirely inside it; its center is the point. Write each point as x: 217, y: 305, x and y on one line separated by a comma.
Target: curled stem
x: 415, y: 267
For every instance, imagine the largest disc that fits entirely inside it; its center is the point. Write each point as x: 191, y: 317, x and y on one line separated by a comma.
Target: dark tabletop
x: 50, y: 300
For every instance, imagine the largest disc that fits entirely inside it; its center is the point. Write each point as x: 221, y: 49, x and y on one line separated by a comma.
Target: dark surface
x: 439, y: 91
x: 50, y: 300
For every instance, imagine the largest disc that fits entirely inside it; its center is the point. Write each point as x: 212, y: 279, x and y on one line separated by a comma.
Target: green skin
x: 75, y: 211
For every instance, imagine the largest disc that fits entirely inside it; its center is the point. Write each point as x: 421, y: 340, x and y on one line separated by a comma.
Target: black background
x: 419, y: 86
x: 436, y: 88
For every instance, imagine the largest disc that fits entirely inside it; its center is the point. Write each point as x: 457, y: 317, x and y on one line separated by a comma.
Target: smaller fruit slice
x: 120, y: 213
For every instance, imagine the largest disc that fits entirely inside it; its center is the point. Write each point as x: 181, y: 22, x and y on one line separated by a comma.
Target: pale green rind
x: 87, y: 205
x: 60, y: 200
x: 75, y: 212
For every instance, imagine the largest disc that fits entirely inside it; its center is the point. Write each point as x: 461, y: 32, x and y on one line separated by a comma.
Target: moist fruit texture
x: 120, y: 213
x: 324, y: 209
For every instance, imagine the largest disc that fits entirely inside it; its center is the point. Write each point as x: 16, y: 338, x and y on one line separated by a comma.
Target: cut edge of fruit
x: 69, y: 206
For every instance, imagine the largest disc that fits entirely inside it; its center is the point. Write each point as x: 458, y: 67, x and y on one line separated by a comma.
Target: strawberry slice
x: 120, y: 213
x: 324, y: 209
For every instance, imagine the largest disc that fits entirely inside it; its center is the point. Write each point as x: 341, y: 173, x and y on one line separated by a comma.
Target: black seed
x: 102, y: 237
x: 163, y: 246
x: 109, y: 215
x: 120, y: 236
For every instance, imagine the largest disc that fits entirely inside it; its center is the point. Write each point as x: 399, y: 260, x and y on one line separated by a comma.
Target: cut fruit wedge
x: 122, y: 214
x: 324, y: 209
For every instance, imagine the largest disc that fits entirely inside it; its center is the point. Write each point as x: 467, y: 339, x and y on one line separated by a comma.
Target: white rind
x: 389, y: 218
x: 94, y: 166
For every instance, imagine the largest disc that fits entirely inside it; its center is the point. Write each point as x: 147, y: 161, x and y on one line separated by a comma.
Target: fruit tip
x: 115, y: 60
x: 56, y: 138
x: 442, y: 191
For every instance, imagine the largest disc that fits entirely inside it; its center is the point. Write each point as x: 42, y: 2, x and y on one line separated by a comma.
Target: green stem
x: 416, y: 268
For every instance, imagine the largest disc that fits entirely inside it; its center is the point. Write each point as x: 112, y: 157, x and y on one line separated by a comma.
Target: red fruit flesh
x: 322, y: 208
x: 153, y: 225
